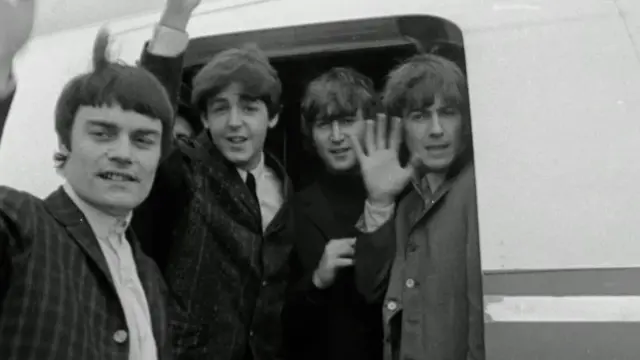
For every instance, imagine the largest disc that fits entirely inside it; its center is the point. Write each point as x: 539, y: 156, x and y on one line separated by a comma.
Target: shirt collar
x: 103, y: 225
x: 257, y: 172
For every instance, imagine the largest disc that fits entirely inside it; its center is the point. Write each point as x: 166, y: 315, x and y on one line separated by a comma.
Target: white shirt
x: 268, y: 189
x: 110, y: 233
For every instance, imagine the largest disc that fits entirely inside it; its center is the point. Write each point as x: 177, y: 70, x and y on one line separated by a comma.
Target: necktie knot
x: 251, y: 184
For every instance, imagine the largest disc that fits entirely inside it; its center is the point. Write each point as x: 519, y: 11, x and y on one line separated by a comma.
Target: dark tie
x: 251, y: 184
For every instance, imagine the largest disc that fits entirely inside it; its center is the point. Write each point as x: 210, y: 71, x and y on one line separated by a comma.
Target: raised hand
x: 338, y: 254
x: 16, y: 24
x: 178, y: 12
x: 383, y: 175
x: 184, y: 6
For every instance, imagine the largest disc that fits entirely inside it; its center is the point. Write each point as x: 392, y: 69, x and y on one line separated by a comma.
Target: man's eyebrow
x: 147, y: 132
x: 101, y: 123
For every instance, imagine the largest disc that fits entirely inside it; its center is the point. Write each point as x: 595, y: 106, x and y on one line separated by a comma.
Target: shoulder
x: 18, y: 205
x: 20, y: 213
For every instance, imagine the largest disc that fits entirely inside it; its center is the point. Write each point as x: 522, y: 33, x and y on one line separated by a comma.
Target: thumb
x: 412, y: 167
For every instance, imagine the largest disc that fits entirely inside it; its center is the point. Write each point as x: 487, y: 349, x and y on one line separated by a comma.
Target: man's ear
x: 274, y: 121
x: 60, y: 158
x: 205, y: 123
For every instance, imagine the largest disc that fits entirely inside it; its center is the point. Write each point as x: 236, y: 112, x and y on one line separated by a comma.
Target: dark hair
x: 414, y: 84
x: 337, y: 92
x: 109, y: 84
x: 191, y: 116
x: 248, y: 66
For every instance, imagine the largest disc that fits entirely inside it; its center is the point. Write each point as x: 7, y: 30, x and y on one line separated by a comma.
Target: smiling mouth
x: 117, y: 176
x: 339, y: 151
x: 237, y: 139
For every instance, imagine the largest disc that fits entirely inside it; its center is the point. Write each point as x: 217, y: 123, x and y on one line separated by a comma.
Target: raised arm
x: 155, y: 219
x: 375, y: 251
x: 163, y: 56
x: 16, y: 23
x: 385, y: 179
x: 7, y: 91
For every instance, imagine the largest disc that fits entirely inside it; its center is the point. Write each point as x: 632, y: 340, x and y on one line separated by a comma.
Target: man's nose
x: 336, y: 132
x: 121, y: 151
x: 235, y: 118
x: 436, y: 126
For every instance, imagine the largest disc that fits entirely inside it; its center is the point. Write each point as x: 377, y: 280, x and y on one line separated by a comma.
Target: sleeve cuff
x: 168, y: 42
x: 374, y: 217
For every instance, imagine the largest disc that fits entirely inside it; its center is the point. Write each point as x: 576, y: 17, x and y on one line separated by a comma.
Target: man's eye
x: 218, y: 109
x: 145, y: 140
x: 416, y: 116
x: 450, y: 111
x: 100, y: 134
x: 251, y: 108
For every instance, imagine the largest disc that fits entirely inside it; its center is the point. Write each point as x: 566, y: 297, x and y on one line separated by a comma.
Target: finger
x: 345, y: 251
x: 381, y: 131
x: 343, y: 262
x: 370, y: 137
x: 357, y: 147
x: 350, y: 241
x: 395, y: 138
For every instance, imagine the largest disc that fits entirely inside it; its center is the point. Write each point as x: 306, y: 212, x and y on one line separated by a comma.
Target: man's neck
x: 435, y: 180
x: 253, y: 166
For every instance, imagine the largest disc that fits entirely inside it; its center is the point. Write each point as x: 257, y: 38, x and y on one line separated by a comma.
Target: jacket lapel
x: 67, y: 213
x: 229, y: 180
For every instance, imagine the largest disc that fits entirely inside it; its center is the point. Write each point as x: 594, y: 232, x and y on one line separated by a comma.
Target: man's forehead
x: 232, y: 91
x: 115, y: 116
x: 434, y: 102
x: 336, y: 113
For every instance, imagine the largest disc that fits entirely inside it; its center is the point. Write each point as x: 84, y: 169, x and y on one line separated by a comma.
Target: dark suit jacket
x: 336, y: 323
x: 58, y: 300
x: 203, y: 227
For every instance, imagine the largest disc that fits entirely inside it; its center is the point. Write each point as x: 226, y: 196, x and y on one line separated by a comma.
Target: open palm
x: 383, y: 175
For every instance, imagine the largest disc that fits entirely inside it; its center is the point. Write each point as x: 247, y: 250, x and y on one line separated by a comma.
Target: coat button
x: 120, y: 336
x: 392, y: 305
x: 410, y: 283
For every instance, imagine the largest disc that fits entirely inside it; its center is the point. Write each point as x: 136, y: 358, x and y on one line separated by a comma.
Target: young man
x: 75, y: 283
x: 424, y: 262
x: 327, y: 318
x: 214, y: 221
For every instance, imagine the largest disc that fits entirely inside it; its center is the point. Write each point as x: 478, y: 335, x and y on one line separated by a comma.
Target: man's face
x: 331, y: 139
x: 238, y: 125
x: 182, y: 129
x: 434, y: 135
x: 113, y: 158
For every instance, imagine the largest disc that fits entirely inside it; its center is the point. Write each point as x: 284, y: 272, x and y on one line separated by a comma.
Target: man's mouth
x: 438, y: 147
x: 339, y: 151
x: 117, y: 176
x: 237, y: 139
